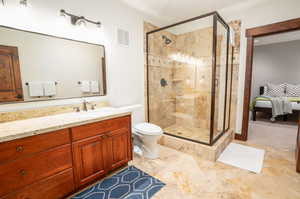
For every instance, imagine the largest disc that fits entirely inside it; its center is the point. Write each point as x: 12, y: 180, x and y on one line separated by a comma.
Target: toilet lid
x: 148, y: 129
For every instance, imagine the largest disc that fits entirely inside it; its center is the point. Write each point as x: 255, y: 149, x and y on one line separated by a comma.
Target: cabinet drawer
x: 17, y: 148
x: 54, y: 187
x: 118, y: 123
x: 27, y: 170
x: 98, y: 128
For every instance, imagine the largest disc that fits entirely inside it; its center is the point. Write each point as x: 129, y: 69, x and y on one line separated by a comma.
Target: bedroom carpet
x: 282, y: 137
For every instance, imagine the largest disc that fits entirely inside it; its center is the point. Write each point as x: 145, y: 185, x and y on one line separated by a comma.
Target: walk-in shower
x: 189, y: 78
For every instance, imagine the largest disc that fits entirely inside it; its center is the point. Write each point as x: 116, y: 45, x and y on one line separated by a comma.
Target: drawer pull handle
x: 105, y: 136
x: 19, y: 148
x: 23, y: 173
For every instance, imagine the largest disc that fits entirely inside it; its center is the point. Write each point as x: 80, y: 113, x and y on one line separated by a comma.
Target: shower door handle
x: 216, y: 82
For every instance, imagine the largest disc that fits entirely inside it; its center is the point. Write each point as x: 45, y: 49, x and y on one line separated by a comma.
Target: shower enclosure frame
x: 216, y: 18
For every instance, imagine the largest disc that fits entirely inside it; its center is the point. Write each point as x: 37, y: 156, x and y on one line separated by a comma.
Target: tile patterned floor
x: 189, y: 177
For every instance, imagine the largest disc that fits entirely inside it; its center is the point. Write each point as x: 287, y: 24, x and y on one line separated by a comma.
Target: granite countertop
x: 29, y: 127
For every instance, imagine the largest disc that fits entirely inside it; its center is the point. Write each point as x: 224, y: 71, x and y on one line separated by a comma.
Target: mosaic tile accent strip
x: 41, y: 112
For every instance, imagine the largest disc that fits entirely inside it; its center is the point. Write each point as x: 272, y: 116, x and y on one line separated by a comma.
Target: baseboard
x: 240, y: 137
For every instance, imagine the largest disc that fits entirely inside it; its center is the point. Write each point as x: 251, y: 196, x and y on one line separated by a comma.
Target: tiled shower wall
x: 236, y: 26
x: 193, y: 83
x: 187, y: 94
x: 161, y: 67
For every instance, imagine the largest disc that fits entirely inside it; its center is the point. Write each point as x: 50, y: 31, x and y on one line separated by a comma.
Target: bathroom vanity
x: 55, y: 156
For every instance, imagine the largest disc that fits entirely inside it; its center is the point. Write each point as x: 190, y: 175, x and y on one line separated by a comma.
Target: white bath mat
x: 244, y: 157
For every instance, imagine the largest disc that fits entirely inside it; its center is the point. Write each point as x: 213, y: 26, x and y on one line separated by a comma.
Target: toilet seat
x: 148, y: 129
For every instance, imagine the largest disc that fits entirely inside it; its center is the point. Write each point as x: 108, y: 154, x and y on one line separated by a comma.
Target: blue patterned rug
x: 130, y: 183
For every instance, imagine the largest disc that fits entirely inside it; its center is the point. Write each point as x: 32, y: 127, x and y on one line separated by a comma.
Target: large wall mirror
x: 35, y: 67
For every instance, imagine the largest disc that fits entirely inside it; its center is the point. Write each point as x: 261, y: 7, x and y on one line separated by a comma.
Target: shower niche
x: 192, y: 59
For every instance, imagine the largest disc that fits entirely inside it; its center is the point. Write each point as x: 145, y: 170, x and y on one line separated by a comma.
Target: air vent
x: 123, y: 37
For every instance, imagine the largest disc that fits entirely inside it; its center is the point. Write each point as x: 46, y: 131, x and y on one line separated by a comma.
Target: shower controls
x: 166, y: 40
x: 163, y: 82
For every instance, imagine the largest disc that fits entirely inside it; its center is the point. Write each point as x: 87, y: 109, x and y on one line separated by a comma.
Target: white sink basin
x: 104, y: 109
x: 97, y: 112
x: 101, y: 110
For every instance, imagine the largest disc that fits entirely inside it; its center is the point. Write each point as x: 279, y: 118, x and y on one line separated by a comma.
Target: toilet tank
x: 138, y: 113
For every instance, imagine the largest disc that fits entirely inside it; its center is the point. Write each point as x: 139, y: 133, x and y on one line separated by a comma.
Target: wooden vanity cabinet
x: 90, y: 160
x: 119, y: 148
x: 57, y: 164
x: 54, y: 187
x: 41, y: 162
x: 95, y: 156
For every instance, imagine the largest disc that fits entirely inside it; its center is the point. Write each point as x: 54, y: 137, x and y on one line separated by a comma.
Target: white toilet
x: 146, y: 136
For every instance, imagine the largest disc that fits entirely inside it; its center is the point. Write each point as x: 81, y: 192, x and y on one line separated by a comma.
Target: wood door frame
x: 251, y: 34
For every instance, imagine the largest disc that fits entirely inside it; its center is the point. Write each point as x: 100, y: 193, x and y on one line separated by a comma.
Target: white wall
x: 276, y: 63
x: 125, y: 69
x: 252, y: 14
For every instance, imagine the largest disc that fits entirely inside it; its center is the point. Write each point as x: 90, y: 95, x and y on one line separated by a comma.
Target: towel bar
x: 28, y: 83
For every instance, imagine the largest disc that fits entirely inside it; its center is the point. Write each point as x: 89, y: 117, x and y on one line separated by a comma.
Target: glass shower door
x: 188, y: 81
x: 180, y: 79
x: 221, y: 79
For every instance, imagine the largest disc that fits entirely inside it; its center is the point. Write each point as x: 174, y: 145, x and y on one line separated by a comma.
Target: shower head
x: 166, y: 40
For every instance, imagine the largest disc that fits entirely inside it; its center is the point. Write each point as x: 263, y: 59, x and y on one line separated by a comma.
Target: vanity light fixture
x: 79, y: 21
x: 23, y: 3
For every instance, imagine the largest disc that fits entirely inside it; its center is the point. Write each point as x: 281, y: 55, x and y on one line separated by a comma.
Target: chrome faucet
x: 84, y: 104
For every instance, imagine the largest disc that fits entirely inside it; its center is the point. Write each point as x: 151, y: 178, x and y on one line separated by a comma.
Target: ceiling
x: 166, y: 12
x: 277, y: 38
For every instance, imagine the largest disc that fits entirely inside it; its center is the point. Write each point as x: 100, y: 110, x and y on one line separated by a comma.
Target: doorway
x: 252, y: 34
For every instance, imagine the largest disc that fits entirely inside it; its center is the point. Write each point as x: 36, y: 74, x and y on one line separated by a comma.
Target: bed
x: 266, y: 106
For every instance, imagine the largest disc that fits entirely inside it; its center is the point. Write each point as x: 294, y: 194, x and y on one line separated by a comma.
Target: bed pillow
x: 265, y: 91
x: 293, y: 90
x: 276, y: 90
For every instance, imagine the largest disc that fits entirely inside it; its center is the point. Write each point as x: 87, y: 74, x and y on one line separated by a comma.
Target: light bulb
x: 63, y: 19
x: 81, y: 22
x: 23, y: 3
x: 63, y: 13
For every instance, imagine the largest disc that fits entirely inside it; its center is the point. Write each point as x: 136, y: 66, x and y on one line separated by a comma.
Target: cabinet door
x: 10, y: 78
x: 118, y: 142
x: 90, y: 157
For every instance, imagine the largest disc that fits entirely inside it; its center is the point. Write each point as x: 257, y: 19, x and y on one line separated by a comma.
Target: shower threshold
x: 192, y: 133
x: 197, y: 149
